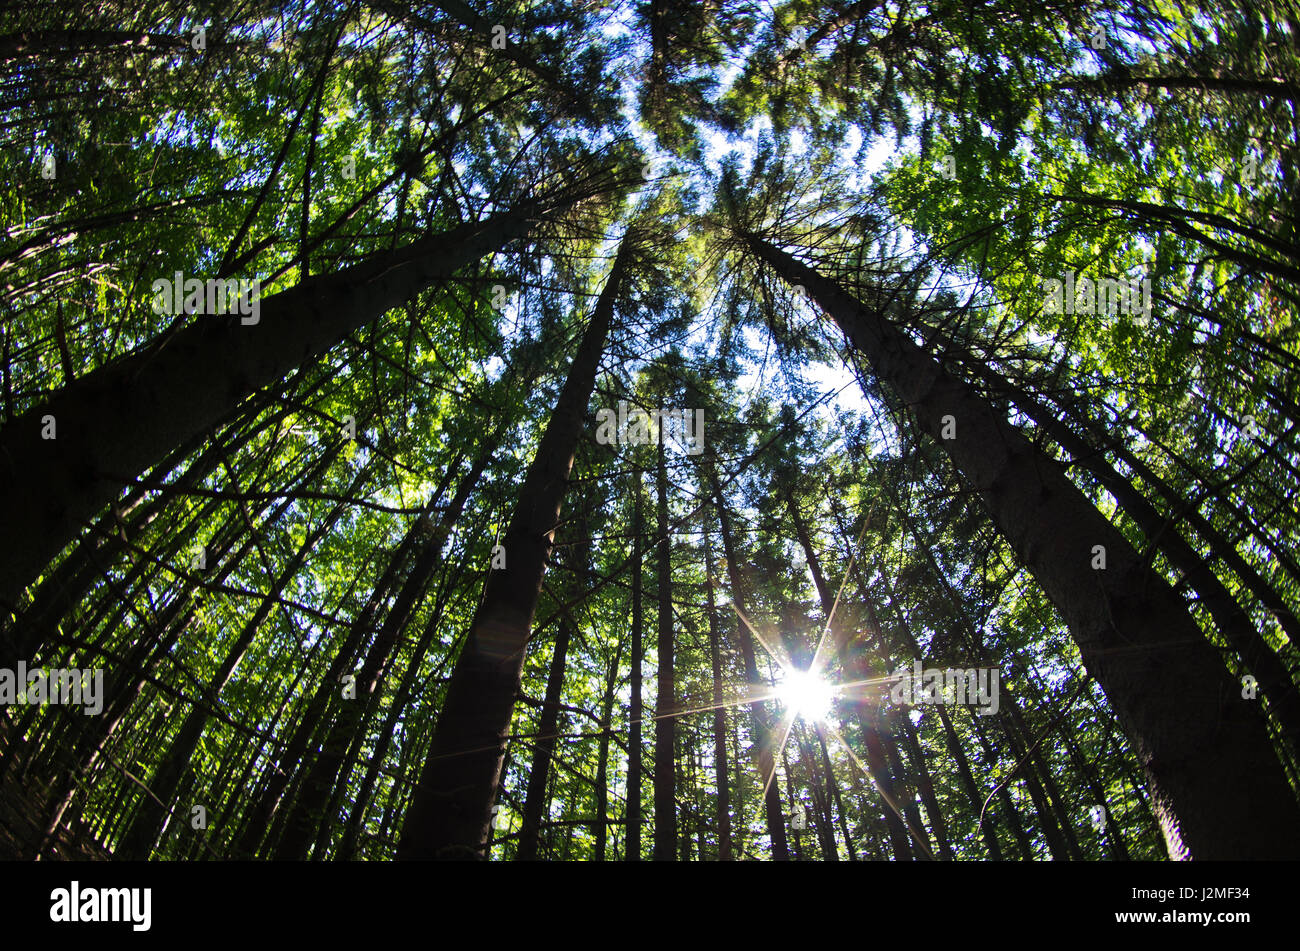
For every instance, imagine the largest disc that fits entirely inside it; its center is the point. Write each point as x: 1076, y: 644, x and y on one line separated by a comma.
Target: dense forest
x: 674, y: 430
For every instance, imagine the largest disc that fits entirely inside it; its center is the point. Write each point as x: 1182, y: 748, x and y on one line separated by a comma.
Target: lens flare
x: 806, y: 695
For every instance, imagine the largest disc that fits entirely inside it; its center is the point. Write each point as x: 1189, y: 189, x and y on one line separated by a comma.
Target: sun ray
x: 918, y: 836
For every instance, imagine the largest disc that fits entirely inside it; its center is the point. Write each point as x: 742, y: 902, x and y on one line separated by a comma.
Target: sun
x: 806, y: 695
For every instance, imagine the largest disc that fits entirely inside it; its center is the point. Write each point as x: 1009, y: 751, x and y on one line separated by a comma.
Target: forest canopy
x: 664, y: 430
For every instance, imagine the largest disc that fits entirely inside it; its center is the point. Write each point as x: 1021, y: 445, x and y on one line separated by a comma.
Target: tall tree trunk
x: 1229, y: 616
x: 762, y: 727
x: 1218, y: 788
x: 452, y: 808
x: 116, y: 421
x: 1252, y: 88
x: 535, y: 799
x: 602, y: 758
x: 665, y: 774
x: 68, y: 584
x: 720, y: 775
x: 61, y: 589
x: 794, y: 806
x: 636, y: 712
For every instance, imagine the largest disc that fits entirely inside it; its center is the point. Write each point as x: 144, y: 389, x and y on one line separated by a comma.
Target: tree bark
x: 1264, y: 87
x: 1229, y: 616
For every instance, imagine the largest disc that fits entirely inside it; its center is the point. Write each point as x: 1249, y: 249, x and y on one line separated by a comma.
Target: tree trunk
x: 1229, y: 616
x: 637, y: 708
x: 116, y: 421
x: 665, y: 772
x: 602, y: 760
x: 535, y: 799
x: 451, y: 811
x: 1263, y: 87
x: 762, y: 729
x: 1217, y: 785
x: 720, y: 776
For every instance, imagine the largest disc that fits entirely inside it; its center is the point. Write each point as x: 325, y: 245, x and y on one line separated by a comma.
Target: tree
x: 967, y: 334
x: 1124, y: 631
x: 452, y: 806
